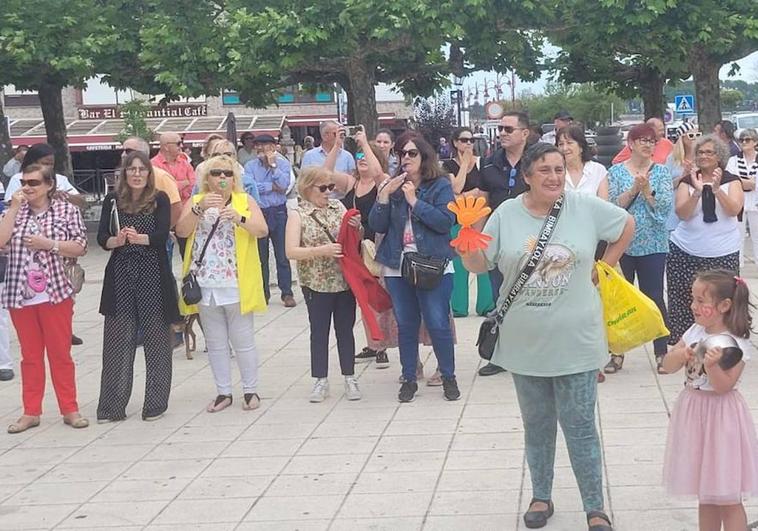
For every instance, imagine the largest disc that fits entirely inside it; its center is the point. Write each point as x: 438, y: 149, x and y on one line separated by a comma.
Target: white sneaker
x: 320, y: 390
x: 351, y: 388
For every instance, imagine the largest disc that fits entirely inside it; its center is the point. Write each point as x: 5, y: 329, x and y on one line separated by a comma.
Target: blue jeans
x: 409, y: 305
x: 276, y: 219
x: 649, y: 270
x: 569, y: 400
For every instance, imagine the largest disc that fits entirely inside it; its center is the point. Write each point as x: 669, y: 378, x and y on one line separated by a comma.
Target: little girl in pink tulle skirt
x: 711, y: 451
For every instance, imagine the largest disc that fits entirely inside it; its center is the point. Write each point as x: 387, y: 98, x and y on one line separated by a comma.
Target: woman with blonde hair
x: 222, y: 224
x: 138, y: 291
x: 311, y: 235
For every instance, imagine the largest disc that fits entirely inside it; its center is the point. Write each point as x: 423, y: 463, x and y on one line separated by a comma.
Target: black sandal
x: 598, y: 527
x: 537, y: 519
x: 615, y: 365
x: 213, y: 407
x: 252, y: 401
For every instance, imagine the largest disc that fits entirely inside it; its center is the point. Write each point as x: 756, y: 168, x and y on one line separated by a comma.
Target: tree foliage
x: 134, y: 113
x: 587, y: 103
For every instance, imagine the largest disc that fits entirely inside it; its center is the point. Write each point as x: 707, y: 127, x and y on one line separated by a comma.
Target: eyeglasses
x: 411, y: 153
x: 137, y: 169
x: 508, y: 129
x: 646, y: 141
x: 225, y: 153
x: 466, y: 140
x: 219, y: 173
x: 512, y: 177
x: 747, y: 139
x: 693, y: 135
x: 705, y: 153
x: 324, y: 187
x: 360, y: 155
x: 31, y: 183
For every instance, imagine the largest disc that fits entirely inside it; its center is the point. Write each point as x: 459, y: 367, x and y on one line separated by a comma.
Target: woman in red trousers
x: 42, y: 233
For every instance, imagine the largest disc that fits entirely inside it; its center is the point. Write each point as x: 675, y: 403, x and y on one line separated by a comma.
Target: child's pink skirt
x: 711, y: 448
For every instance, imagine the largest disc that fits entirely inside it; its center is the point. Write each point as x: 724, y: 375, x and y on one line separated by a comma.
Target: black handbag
x: 422, y: 271
x: 489, y: 331
x: 191, y: 292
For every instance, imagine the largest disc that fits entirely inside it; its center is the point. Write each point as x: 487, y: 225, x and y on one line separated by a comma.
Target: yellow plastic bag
x: 631, y: 317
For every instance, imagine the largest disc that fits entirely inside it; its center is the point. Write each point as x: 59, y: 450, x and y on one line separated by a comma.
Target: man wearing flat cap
x: 269, y: 173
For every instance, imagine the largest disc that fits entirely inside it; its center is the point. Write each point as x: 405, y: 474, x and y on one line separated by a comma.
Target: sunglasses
x: 412, y: 153
x: 694, y: 135
x: 32, y: 183
x: 324, y: 187
x: 360, y: 155
x: 508, y: 129
x: 225, y: 153
x: 512, y: 177
x: 747, y: 139
x: 466, y: 140
x: 219, y: 173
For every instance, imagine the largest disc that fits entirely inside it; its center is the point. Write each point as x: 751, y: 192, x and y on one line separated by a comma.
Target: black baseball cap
x: 265, y: 139
x: 563, y: 115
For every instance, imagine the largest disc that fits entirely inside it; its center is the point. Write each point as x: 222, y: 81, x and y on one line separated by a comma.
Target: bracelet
x: 197, y: 210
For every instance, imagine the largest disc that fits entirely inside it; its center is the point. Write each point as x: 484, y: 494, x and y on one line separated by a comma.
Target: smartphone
x: 352, y: 130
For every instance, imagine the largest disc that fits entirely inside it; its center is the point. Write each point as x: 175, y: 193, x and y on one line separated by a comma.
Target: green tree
x: 434, y: 118
x: 731, y: 98
x: 587, y: 104
x: 46, y: 45
x: 134, y: 113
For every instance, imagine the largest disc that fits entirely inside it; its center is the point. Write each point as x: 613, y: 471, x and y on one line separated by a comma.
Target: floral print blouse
x: 320, y: 274
x: 651, y: 235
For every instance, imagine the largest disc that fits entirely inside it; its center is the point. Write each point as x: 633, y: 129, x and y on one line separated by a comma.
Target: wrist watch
x: 242, y: 220
x: 197, y: 210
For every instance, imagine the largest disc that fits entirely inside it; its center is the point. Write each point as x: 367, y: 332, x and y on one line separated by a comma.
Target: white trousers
x: 224, y: 325
x: 6, y: 361
x: 752, y: 220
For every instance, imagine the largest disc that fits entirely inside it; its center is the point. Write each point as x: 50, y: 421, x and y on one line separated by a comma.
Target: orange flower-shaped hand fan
x: 469, y: 210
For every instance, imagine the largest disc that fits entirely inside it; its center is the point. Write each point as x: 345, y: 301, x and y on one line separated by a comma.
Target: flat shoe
x: 76, y: 423
x: 17, y: 427
x: 537, y: 519
x: 251, y: 401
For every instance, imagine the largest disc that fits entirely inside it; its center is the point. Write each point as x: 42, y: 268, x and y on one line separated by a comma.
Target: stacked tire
x: 609, y: 142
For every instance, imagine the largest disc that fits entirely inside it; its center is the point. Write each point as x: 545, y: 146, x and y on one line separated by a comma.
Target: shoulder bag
x: 489, y: 331
x: 191, y: 292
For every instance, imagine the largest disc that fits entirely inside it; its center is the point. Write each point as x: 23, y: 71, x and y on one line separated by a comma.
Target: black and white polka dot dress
x: 139, y: 309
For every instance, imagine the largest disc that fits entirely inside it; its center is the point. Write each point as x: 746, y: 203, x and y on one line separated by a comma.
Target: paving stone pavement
x: 291, y: 465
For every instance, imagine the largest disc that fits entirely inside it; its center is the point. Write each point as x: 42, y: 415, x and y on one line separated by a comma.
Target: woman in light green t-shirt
x: 553, y: 338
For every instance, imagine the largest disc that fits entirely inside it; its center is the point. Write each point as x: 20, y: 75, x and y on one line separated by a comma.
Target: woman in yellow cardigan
x: 229, y: 274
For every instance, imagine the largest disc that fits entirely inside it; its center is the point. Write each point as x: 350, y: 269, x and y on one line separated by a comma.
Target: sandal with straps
x: 615, y: 365
x: 219, y: 404
x: 598, y: 527
x: 251, y: 401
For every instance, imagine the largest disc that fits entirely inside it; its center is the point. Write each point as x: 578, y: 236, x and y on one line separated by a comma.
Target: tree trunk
x: 6, y: 148
x: 52, y: 111
x: 361, y: 95
x: 651, y: 86
x: 705, y: 72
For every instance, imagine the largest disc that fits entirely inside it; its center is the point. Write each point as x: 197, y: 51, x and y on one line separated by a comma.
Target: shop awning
x: 94, y: 135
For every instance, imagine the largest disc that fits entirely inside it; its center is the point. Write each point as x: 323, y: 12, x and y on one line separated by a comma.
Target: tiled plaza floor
x: 373, y: 464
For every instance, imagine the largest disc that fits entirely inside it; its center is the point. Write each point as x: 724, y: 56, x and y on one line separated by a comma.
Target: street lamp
x: 458, y: 84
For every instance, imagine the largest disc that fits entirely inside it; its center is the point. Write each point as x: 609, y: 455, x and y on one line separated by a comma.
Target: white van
x: 745, y: 121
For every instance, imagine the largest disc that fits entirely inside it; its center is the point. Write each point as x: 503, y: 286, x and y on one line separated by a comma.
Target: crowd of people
x: 372, y: 229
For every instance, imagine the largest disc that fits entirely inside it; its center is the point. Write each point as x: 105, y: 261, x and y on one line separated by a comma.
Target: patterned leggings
x: 570, y: 400
x: 681, y: 269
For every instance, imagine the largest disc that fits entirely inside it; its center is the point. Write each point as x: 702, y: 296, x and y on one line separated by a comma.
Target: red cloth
x: 46, y: 327
x: 366, y: 288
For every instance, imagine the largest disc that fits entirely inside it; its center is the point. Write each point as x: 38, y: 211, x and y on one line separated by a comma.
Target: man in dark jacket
x: 502, y: 180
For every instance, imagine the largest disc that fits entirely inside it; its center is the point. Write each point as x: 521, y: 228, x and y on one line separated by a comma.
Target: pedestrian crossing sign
x: 684, y: 104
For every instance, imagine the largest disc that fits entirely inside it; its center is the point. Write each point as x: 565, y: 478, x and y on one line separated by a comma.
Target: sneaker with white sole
x: 320, y: 390
x: 351, y: 388
x: 382, y: 361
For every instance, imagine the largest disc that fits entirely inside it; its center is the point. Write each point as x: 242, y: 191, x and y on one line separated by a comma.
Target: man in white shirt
x: 13, y: 166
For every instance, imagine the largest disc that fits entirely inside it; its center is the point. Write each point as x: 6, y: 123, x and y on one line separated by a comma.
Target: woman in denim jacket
x: 411, y: 211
